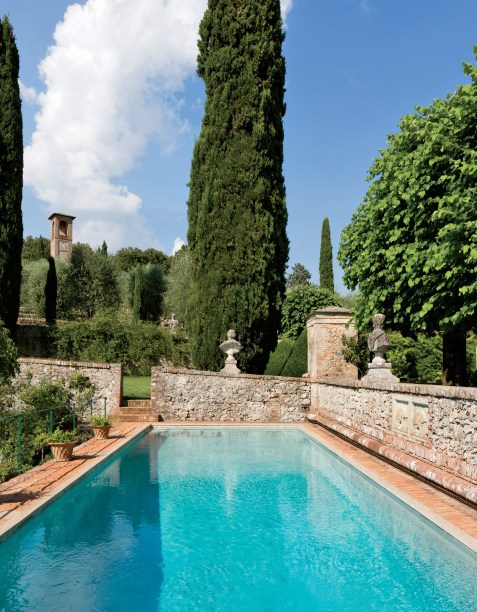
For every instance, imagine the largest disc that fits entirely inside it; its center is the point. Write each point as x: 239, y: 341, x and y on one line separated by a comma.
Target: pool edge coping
x: 434, y: 518
x: 21, y: 516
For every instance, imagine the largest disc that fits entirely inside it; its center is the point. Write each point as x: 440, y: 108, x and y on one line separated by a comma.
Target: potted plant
x: 101, y: 426
x: 61, y: 443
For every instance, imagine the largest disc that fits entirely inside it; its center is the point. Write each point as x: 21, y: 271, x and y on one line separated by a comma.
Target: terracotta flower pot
x: 101, y: 432
x: 62, y: 451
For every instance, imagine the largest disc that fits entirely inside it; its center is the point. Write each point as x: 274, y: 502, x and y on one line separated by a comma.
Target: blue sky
x: 111, y: 119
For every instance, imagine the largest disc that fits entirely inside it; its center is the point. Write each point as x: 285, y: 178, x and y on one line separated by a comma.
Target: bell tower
x: 61, y: 244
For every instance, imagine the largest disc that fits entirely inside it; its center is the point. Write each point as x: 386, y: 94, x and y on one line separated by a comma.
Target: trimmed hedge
x: 279, y: 357
x: 297, y: 363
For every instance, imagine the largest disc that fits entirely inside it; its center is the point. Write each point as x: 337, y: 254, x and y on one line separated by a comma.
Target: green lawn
x: 136, y: 387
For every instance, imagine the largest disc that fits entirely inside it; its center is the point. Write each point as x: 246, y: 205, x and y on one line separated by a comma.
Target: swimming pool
x: 232, y: 519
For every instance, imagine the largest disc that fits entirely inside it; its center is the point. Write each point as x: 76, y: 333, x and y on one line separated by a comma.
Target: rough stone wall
x: 325, y: 329
x: 178, y: 395
x: 429, y: 422
x: 106, y: 376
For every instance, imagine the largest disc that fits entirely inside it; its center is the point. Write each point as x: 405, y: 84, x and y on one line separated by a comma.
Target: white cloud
x: 28, y: 94
x: 178, y: 244
x: 287, y: 6
x: 113, y: 81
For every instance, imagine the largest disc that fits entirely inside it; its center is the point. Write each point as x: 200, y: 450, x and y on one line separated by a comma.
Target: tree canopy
x: 238, y: 246
x: 299, y: 303
x: 326, y: 258
x: 11, y: 178
x: 411, y: 246
x: 298, y: 276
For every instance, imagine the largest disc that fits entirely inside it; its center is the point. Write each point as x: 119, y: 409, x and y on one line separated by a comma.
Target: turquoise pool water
x: 232, y: 519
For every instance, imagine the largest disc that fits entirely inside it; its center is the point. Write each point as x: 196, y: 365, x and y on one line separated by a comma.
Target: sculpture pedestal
x: 230, y: 369
x: 380, y: 371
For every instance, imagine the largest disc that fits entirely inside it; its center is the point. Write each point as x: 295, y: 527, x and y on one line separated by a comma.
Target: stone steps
x: 134, y: 403
x: 134, y: 418
x: 135, y: 410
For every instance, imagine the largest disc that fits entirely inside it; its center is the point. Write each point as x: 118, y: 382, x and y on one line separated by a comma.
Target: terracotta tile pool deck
x: 24, y: 496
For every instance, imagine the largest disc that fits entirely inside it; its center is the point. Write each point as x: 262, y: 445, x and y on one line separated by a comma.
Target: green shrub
x: 297, y: 362
x: 279, y: 357
x: 356, y: 351
x: 136, y: 344
x: 299, y: 303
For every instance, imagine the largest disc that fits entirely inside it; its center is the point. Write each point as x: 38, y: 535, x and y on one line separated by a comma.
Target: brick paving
x: 25, y: 495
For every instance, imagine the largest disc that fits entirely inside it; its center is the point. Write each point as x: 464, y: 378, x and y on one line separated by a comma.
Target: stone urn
x: 62, y: 451
x: 230, y: 347
x: 101, y: 432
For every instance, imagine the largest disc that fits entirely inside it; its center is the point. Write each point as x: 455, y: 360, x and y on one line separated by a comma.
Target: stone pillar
x: 325, y: 329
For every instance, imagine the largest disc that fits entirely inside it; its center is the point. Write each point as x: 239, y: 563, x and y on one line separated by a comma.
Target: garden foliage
x: 136, y: 344
x: 299, y: 303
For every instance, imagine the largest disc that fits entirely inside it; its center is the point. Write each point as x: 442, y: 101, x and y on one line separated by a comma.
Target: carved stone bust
x: 378, y: 341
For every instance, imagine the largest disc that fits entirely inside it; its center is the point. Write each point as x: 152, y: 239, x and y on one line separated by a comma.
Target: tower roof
x: 60, y: 215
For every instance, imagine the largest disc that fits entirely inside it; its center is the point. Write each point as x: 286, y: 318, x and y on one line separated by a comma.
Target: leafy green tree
x: 299, y: 303
x: 51, y: 291
x: 148, y: 288
x: 35, y: 248
x: 128, y: 258
x: 154, y: 289
x: 94, y: 282
x: 298, y: 276
x: 178, y: 286
x: 104, y: 249
x: 238, y: 246
x: 326, y: 258
x: 11, y: 178
x: 412, y: 244
x: 137, y: 295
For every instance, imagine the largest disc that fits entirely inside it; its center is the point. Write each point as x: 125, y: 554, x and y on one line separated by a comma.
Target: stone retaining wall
x: 178, y: 395
x: 106, y: 376
x: 429, y: 422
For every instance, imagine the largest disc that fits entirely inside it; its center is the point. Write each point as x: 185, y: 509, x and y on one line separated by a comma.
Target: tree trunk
x: 454, y: 359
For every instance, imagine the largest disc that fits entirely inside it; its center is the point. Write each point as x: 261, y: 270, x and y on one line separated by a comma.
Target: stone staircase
x: 132, y: 411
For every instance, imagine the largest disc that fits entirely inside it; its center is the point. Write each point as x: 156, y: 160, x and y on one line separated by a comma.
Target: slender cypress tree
x: 51, y: 292
x: 238, y: 246
x: 138, y: 293
x: 11, y: 178
x: 326, y: 258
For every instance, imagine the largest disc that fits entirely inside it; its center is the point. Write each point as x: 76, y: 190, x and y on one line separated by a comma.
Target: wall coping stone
x: 240, y: 376
x: 71, y: 364
x: 466, y: 393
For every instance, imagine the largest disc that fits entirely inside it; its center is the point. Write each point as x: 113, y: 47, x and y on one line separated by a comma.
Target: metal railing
x: 21, y: 416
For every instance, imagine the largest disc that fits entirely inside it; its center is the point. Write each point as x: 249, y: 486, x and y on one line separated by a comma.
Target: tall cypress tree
x: 51, y: 292
x: 11, y: 178
x: 326, y: 258
x: 237, y: 239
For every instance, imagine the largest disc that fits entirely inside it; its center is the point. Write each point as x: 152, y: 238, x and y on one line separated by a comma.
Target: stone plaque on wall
x: 410, y: 417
